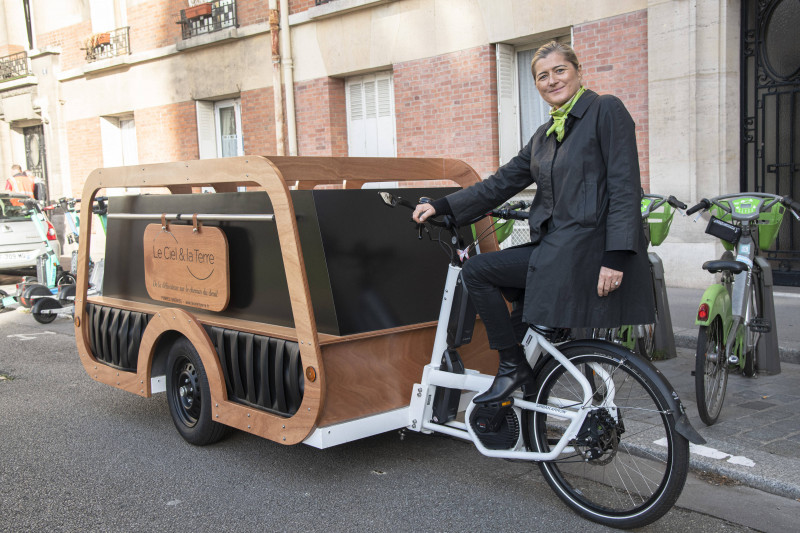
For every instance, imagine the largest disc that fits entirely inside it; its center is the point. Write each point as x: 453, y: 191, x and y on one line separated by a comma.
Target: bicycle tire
x: 630, y: 485
x: 646, y: 344
x: 711, y: 371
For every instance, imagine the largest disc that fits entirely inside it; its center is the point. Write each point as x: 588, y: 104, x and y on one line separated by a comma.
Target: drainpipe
x: 288, y: 76
x: 276, y: 76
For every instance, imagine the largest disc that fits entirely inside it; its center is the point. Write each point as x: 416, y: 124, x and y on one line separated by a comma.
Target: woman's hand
x: 609, y: 280
x: 423, y: 212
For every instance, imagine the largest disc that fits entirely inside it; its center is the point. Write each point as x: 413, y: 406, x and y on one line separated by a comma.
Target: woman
x: 586, y: 232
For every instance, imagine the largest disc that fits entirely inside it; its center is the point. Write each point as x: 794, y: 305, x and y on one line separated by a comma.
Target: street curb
x: 788, y: 353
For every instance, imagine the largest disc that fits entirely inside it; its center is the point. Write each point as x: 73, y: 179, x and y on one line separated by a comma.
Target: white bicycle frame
x: 535, y: 345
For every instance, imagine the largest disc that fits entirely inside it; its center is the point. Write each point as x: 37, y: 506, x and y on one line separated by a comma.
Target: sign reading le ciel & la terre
x: 185, y: 267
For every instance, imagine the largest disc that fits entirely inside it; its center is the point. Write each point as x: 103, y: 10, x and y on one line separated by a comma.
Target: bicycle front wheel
x: 711, y: 371
x: 646, y: 341
x: 627, y: 465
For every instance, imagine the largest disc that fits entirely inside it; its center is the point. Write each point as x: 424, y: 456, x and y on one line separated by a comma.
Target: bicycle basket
x: 769, y: 222
x: 660, y: 222
x: 503, y: 229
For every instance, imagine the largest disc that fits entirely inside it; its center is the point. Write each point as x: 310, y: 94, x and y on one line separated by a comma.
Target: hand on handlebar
x: 423, y: 212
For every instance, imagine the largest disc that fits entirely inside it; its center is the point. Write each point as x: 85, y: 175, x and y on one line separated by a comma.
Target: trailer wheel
x: 31, y: 293
x: 189, y: 396
x: 43, y: 304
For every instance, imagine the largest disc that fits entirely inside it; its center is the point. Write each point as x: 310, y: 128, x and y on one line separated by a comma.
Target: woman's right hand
x: 423, y: 212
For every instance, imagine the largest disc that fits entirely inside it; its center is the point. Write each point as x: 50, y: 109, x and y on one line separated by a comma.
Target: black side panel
x: 260, y: 371
x: 115, y: 335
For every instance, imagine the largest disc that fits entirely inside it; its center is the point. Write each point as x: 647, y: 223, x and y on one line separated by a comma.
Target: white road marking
x: 30, y: 336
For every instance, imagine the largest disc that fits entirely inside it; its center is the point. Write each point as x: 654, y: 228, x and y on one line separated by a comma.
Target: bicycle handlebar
x: 766, y: 202
x: 703, y: 204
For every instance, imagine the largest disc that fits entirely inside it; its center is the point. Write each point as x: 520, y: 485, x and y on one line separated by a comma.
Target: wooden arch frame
x: 275, y: 175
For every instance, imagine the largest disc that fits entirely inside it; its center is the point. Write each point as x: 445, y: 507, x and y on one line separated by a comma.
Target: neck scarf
x: 560, y: 116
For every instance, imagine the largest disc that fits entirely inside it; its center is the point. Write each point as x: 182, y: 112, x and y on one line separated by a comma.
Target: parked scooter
x: 46, y: 309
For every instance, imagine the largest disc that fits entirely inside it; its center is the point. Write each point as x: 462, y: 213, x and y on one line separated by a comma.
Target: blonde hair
x: 554, y: 46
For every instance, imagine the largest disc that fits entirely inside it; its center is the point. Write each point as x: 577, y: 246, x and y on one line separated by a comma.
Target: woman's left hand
x: 609, y: 280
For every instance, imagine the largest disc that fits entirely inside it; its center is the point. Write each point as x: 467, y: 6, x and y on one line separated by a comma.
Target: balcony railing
x: 320, y: 2
x: 198, y: 20
x: 109, y: 44
x: 14, y: 66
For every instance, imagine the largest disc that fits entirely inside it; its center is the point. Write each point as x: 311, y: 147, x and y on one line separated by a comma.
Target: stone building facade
x: 112, y: 82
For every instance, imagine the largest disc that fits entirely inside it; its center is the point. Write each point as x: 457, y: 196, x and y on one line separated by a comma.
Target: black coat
x: 588, y: 201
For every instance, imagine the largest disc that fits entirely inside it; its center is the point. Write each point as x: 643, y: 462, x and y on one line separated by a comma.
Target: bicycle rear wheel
x: 613, y: 474
x: 711, y: 371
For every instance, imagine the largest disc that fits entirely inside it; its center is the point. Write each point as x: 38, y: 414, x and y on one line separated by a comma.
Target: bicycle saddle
x: 730, y: 265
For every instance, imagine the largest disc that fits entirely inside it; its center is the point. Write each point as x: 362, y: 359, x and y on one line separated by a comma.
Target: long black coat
x: 588, y: 200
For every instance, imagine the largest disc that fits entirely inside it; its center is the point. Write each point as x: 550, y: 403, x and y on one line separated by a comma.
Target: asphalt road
x: 76, y: 455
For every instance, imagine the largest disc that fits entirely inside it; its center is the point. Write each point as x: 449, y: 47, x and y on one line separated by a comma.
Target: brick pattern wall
x: 9, y: 49
x: 153, y: 24
x: 85, y: 150
x: 167, y: 133
x: 446, y: 106
x: 258, y: 122
x: 252, y: 12
x: 613, y: 53
x: 298, y: 6
x: 71, y: 40
x: 321, y: 117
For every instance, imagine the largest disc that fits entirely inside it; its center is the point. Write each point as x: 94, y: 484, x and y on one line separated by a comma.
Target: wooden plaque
x: 185, y: 267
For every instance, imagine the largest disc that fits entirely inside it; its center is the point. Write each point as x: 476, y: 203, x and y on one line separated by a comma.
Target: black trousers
x: 491, y: 279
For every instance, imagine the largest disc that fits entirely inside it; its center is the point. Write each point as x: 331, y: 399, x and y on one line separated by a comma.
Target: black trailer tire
x: 43, y: 304
x: 189, y: 396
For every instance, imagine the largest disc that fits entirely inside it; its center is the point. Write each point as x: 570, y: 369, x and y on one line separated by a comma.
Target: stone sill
x: 16, y: 83
x: 332, y: 9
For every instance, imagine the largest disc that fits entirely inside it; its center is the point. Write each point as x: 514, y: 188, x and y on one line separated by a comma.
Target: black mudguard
x: 678, y: 415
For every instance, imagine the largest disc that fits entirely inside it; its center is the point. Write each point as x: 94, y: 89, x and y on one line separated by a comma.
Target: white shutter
x: 130, y: 150
x: 112, y: 142
x: 102, y: 13
x: 507, y: 116
x: 206, y: 131
x: 370, y: 116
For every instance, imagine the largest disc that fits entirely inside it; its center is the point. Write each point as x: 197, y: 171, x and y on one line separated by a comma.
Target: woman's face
x: 557, y: 79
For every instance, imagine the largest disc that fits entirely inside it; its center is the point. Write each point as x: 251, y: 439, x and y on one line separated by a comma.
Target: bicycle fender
x: 719, y: 304
x: 678, y: 416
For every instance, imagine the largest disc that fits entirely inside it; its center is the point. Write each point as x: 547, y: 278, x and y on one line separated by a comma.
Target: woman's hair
x: 554, y: 46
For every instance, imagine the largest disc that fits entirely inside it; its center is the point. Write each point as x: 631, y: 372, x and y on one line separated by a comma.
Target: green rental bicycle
x: 651, y: 341
x: 737, y: 315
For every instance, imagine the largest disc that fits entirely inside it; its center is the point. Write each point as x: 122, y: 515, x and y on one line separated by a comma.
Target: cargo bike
x: 306, y: 314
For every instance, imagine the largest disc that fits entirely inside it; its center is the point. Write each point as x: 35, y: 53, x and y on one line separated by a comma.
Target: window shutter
x: 370, y: 116
x: 507, y: 117
x: 206, y: 134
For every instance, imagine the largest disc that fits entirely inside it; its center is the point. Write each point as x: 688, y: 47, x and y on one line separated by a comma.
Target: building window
x: 118, y: 135
x: 521, y: 110
x: 370, y: 116
x: 219, y: 128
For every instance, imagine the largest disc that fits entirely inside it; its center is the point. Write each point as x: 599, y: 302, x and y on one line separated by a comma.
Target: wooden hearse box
x: 330, y: 310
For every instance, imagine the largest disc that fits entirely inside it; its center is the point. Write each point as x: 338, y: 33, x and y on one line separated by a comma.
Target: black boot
x: 513, y: 372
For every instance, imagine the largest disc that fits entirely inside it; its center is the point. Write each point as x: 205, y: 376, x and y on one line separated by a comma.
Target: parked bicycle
x: 581, y: 418
x: 737, y: 315
x: 651, y: 341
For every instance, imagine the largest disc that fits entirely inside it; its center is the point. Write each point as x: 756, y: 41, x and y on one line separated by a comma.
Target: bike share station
x: 311, y: 315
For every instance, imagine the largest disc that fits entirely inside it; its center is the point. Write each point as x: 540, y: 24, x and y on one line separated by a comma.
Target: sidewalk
x: 756, y: 441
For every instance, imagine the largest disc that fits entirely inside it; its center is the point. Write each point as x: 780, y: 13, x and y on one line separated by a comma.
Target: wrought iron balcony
x: 208, y: 18
x: 14, y: 66
x: 109, y: 44
x: 320, y: 2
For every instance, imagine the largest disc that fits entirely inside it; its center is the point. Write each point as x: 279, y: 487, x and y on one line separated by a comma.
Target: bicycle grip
x: 787, y: 201
x: 704, y: 204
x: 674, y: 202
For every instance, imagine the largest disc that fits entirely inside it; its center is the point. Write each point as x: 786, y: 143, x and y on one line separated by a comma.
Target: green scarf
x: 560, y: 116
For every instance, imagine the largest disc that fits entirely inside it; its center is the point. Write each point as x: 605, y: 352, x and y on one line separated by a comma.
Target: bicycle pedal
x: 760, y: 325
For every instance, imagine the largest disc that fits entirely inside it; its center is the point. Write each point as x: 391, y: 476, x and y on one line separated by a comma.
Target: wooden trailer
x: 312, y: 310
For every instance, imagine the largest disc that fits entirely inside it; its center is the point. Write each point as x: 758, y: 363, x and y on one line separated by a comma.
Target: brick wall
x: 297, y: 6
x: 446, y: 106
x: 153, y: 24
x: 252, y: 11
x: 258, y: 122
x: 321, y: 117
x: 167, y: 133
x: 9, y: 49
x: 71, y: 40
x: 85, y: 150
x: 613, y: 53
